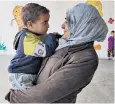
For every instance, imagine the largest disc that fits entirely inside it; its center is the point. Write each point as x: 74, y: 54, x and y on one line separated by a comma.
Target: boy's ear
x: 29, y: 24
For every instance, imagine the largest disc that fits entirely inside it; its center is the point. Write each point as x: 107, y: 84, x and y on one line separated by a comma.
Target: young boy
x: 111, y: 45
x: 31, y: 46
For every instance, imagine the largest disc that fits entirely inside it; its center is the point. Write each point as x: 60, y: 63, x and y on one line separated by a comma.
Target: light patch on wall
x: 97, y: 47
x: 97, y: 4
x: 2, y: 47
x: 17, y: 16
x: 111, y: 20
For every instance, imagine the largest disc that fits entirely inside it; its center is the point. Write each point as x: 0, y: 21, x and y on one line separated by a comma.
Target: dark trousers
x: 111, y: 52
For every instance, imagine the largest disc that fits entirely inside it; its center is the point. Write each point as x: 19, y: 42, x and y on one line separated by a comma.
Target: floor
x: 100, y: 90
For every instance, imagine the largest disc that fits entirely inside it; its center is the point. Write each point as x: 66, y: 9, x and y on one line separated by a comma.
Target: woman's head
x: 83, y: 24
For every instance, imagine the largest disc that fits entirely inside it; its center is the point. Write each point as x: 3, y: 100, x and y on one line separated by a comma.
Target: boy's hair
x: 31, y: 12
x: 112, y: 32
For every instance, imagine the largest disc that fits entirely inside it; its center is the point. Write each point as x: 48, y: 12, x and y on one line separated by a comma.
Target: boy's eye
x: 45, y: 22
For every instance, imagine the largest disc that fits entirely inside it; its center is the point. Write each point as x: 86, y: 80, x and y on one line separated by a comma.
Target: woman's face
x: 66, y: 30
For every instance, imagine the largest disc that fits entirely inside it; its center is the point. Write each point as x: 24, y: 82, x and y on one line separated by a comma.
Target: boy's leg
x: 21, y: 80
x: 15, y: 84
x: 26, y: 80
x: 113, y: 52
x: 109, y: 54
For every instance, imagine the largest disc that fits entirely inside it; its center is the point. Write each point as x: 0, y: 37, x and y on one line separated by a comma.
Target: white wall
x: 57, y: 10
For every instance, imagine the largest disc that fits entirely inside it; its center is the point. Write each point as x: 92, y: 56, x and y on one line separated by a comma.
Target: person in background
x: 111, y: 46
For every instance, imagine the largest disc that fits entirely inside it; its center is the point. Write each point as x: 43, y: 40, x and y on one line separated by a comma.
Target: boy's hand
x: 57, y: 35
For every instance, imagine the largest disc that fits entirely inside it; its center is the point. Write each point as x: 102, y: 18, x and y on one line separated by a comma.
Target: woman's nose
x: 63, y: 26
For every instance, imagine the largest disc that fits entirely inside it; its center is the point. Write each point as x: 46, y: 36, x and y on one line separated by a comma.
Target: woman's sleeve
x: 63, y: 82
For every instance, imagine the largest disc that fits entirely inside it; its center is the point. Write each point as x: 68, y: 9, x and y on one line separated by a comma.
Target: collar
x: 37, y: 34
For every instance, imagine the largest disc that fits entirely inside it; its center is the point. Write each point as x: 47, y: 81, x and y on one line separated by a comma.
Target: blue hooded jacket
x: 30, y: 50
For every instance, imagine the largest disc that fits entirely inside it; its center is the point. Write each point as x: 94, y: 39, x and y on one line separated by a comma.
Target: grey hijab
x: 85, y: 25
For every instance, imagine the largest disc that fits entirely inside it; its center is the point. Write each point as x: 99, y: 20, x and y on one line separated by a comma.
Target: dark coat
x: 62, y: 77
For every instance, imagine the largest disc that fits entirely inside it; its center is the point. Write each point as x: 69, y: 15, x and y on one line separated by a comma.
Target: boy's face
x: 41, y: 25
x: 112, y: 34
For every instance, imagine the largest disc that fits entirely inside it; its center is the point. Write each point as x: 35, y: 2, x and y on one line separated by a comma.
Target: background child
x: 111, y: 45
x: 31, y: 46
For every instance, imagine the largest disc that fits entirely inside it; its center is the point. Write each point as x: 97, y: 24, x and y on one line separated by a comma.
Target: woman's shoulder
x: 85, y: 52
x: 88, y: 53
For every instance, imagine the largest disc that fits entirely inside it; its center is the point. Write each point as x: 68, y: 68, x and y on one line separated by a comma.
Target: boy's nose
x: 48, y: 25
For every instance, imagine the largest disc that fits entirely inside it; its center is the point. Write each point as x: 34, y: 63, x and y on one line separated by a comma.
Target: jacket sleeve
x: 33, y: 45
x: 51, y: 43
x: 63, y: 82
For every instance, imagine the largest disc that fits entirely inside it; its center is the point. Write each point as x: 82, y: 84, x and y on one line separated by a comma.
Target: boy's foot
x: 113, y: 58
x: 109, y: 58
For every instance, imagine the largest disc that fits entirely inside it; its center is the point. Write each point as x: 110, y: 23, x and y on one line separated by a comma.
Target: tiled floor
x: 101, y: 89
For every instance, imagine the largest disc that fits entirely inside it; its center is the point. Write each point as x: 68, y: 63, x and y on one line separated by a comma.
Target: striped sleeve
x: 33, y: 46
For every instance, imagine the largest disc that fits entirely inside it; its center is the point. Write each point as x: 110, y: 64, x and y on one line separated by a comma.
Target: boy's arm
x: 51, y: 43
x: 33, y: 45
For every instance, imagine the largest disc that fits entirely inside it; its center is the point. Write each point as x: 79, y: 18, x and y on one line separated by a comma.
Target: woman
x: 74, y: 63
